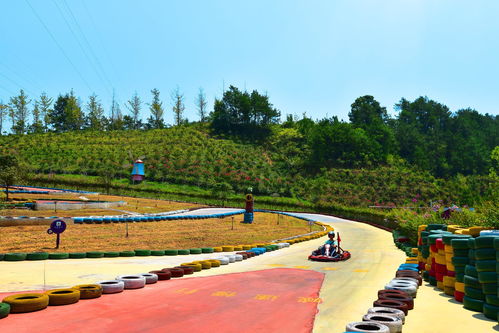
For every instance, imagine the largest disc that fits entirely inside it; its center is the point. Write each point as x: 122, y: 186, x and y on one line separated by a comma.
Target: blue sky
x: 308, y: 56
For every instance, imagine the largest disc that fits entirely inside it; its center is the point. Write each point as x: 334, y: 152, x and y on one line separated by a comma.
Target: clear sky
x: 308, y: 56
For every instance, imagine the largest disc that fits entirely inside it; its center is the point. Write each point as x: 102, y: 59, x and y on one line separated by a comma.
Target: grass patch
x: 163, y: 235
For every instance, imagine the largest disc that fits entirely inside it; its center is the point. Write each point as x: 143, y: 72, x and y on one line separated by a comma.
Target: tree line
x: 424, y: 133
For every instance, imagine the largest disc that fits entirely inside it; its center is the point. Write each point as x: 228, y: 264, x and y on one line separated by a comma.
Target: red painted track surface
x: 275, y: 300
x: 27, y: 188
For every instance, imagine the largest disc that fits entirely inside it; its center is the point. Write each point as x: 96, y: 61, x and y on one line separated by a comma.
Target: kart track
x: 279, y: 291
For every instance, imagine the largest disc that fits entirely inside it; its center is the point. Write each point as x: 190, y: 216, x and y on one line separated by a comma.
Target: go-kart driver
x: 331, y: 246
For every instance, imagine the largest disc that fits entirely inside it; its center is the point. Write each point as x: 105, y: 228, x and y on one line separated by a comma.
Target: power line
x: 58, y: 45
x: 17, y: 84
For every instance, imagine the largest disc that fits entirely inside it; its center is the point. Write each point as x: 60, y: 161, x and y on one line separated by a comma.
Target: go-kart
x: 340, y: 255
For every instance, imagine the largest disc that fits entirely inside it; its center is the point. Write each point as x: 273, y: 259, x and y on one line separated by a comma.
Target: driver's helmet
x: 331, y: 233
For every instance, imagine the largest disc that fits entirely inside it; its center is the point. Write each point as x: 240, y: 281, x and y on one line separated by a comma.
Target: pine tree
x: 178, y: 106
x: 201, y: 105
x: 3, y: 112
x: 18, y: 111
x: 156, y: 109
x: 37, y: 126
x: 44, y: 104
x: 134, y: 105
x: 95, y: 113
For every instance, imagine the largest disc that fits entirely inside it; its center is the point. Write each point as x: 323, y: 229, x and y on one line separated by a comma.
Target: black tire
x: 474, y: 293
x: 77, y: 255
x: 59, y: 255
x: 37, y: 256
x: 14, y: 256
x: 485, y: 265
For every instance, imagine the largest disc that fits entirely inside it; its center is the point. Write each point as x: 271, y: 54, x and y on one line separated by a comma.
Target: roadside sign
x: 57, y: 227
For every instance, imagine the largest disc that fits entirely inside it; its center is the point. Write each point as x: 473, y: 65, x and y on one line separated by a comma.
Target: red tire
x: 407, y: 300
x: 458, y: 296
x: 244, y: 254
x: 175, y: 272
x: 388, y: 303
x: 162, y: 275
x: 393, y: 291
x: 187, y: 270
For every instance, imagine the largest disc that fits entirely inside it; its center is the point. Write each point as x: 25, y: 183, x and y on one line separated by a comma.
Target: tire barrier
x: 4, y: 310
x: 132, y: 281
x: 162, y: 275
x: 150, y: 277
x: 28, y: 302
x: 394, y: 324
x: 112, y: 286
x: 370, y: 326
x: 175, y: 272
x: 388, y: 312
x: 89, y: 291
x: 63, y: 296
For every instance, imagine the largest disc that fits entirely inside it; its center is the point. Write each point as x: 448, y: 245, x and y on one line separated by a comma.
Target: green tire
x: 485, y: 242
x: 474, y: 293
x: 459, y: 269
x: 4, y: 310
x: 470, y: 270
x: 127, y: 254
x: 171, y: 252
x: 492, y: 299
x: 471, y: 243
x: 485, y: 254
x: 460, y: 244
x: 157, y: 253
x: 447, y: 239
x: 77, y: 255
x: 490, y: 311
x: 37, y: 256
x: 485, y: 265
x: 473, y: 304
x: 183, y: 252
x: 95, y: 254
x: 59, y: 255
x: 461, y: 253
x: 471, y: 254
x: 460, y: 277
x: 460, y: 261
x: 487, y: 277
x: 2, y: 256
x: 497, y: 255
x: 432, y: 280
x: 489, y: 288
x: 143, y: 253
x: 207, y: 250
x: 14, y: 256
x: 472, y: 282
x: 111, y: 254
x: 195, y: 251
x: 496, y: 243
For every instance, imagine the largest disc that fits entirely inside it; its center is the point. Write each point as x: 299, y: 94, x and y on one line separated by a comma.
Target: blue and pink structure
x: 138, y: 174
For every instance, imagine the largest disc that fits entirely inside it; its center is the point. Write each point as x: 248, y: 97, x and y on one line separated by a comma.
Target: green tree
x: 44, y: 104
x: 18, y: 110
x: 178, y: 106
x: 12, y: 170
x: 95, y: 114
x: 201, y: 104
x: 37, y: 125
x: 3, y: 112
x: 134, y: 105
x: 66, y: 114
x: 156, y: 108
x: 116, y: 118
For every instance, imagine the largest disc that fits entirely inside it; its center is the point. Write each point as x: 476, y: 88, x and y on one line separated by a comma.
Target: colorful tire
x: 393, y: 292
x: 367, y: 326
x: 111, y: 254
x: 391, y: 304
x: 238, y: 248
x: 162, y: 275
x: 142, y: 253
x: 37, y: 256
x: 218, y: 249
x: 132, y: 281
x: 388, y: 312
x: 187, y: 269
x: 112, y: 286
x: 150, y: 277
x: 458, y: 296
x: 77, y: 255
x: 407, y: 278
x: 195, y: 251
x: 127, y: 254
x: 223, y: 260
x: 473, y: 304
x: 238, y: 257
x: 485, y: 242
x: 174, y: 272
x: 214, y: 263
x: 95, y: 254
x: 460, y: 244
x: 28, y: 302
x: 231, y: 257
x: 171, y: 252
x: 89, y: 291
x: 195, y: 267
x: 394, y: 324
x: 14, y: 257
x: 63, y: 296
x: 460, y: 261
x: 407, y: 300
x: 459, y: 286
x: 244, y: 254
x: 205, y: 264
x: 4, y: 310
x: 228, y: 248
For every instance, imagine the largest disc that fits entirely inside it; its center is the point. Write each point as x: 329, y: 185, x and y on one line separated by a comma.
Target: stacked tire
x: 460, y: 258
x: 474, y: 298
x: 485, y: 265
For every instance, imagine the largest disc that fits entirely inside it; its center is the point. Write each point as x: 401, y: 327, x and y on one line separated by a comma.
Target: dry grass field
x: 164, y: 235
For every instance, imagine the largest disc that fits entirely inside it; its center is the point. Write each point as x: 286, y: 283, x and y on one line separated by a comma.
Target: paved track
x: 348, y: 290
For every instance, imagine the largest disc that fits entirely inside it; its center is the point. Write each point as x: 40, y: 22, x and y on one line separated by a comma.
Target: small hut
x: 138, y: 171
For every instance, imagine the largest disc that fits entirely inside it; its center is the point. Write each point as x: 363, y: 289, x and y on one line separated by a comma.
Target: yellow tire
x: 453, y: 228
x: 449, y: 291
x: 247, y: 247
x: 411, y: 260
x: 414, y: 250
x: 227, y: 248
x: 29, y: 302
x: 427, y: 267
x: 218, y: 249
x: 88, y: 291
x: 63, y: 296
x: 214, y: 263
x: 440, y: 285
x: 449, y: 281
x: 260, y: 245
x: 195, y: 267
x: 205, y: 264
x: 459, y: 286
x: 439, y: 259
x: 459, y: 232
x: 422, y: 227
x: 449, y: 249
x: 238, y: 248
x: 450, y: 267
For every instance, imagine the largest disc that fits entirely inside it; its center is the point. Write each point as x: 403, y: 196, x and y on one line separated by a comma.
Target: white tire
x: 150, y: 277
x: 367, y: 326
x: 393, y: 323
x: 413, y: 283
x: 388, y: 312
x: 238, y: 257
x: 231, y: 257
x: 223, y: 260
x: 132, y: 281
x: 285, y: 244
x: 402, y: 286
x: 403, y: 278
x: 112, y: 286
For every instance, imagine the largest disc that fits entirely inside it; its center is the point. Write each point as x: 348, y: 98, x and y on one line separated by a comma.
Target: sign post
x: 310, y: 223
x: 57, y: 227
